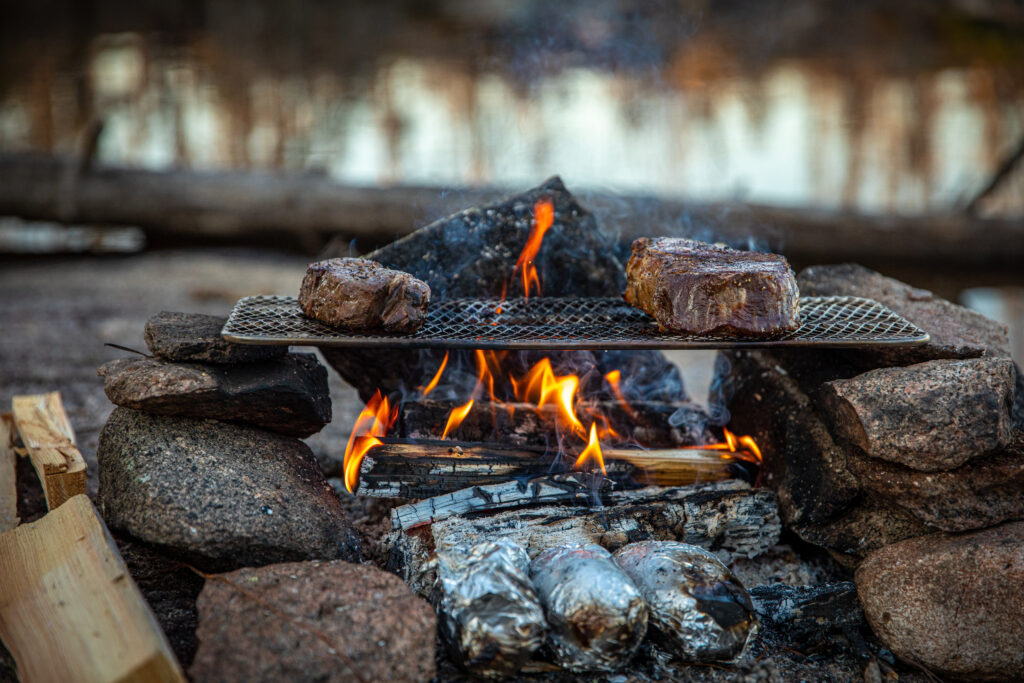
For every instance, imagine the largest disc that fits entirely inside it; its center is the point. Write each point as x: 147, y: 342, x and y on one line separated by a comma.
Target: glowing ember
x: 543, y: 218
x: 456, y: 417
x: 374, y: 421
x: 437, y: 377
x: 592, y: 452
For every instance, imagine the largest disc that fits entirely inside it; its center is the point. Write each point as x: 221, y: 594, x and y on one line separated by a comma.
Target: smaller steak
x: 359, y: 294
x: 692, y: 287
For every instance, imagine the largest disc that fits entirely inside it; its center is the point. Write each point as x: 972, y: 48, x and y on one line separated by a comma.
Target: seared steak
x: 359, y: 294
x: 692, y: 287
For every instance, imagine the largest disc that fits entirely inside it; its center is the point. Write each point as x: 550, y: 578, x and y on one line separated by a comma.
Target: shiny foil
x: 699, y: 611
x: 490, y: 616
x: 596, y: 615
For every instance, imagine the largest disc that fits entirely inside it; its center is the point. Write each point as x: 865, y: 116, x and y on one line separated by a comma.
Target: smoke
x: 720, y: 392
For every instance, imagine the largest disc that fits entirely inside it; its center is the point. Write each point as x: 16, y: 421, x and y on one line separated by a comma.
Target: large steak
x: 360, y: 294
x: 692, y: 287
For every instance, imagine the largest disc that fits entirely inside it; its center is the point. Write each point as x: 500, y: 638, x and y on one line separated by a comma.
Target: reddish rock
x: 376, y: 628
x: 931, y: 416
x: 953, y: 604
x: 984, y: 492
x: 288, y: 395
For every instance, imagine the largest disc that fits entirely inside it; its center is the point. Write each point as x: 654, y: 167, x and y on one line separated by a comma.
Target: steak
x: 692, y: 287
x: 359, y: 294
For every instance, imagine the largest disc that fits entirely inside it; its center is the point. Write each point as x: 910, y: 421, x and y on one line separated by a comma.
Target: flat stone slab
x: 288, y: 395
x: 930, y: 416
x: 224, y: 494
x: 194, y: 337
x: 342, y: 621
x: 956, y: 332
x: 952, y: 604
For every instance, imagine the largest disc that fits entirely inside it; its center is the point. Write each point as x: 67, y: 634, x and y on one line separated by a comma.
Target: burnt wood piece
x: 692, y: 287
x: 728, y: 518
x: 522, y: 424
x: 804, y: 617
x: 360, y: 294
x: 399, y: 469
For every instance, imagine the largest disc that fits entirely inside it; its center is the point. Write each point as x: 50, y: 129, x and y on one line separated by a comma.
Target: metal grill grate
x: 550, y: 323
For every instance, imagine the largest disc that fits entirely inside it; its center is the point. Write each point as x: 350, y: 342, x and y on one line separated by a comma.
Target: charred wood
x: 728, y: 518
x: 804, y: 617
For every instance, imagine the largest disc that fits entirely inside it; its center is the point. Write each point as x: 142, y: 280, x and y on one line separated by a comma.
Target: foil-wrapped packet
x: 699, y: 611
x: 490, y: 616
x: 596, y: 616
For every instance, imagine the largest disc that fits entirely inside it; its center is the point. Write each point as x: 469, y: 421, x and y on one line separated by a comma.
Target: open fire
x: 580, y: 424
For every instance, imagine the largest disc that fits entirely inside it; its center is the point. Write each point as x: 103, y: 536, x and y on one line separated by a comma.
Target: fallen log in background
x: 178, y: 205
x: 728, y: 518
x: 424, y: 469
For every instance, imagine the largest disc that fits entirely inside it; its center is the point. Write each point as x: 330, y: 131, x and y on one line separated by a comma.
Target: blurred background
x: 179, y: 155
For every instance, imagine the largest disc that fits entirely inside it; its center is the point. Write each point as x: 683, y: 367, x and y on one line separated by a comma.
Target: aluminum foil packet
x: 490, y: 616
x: 596, y: 615
x: 699, y: 611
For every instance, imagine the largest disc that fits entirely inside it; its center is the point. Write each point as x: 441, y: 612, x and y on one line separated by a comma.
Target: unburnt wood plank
x: 46, y: 433
x: 69, y: 610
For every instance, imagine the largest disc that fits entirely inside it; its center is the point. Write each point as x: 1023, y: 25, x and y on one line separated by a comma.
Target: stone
x: 952, y: 604
x: 984, y: 492
x: 931, y: 416
x: 219, y: 494
x: 288, y: 395
x: 194, y: 337
x: 326, y: 621
x: 955, y: 331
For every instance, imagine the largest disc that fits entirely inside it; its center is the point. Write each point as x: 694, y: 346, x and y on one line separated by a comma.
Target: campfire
x: 585, y: 419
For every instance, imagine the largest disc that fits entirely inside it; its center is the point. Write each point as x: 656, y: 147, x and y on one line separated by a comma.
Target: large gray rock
x: 194, y: 337
x: 953, y: 604
x: 223, y: 494
x: 930, y: 416
x: 374, y: 627
x: 984, y: 492
x: 956, y: 332
x: 287, y: 395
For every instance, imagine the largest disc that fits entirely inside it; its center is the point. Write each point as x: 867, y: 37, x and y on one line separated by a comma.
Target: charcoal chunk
x: 691, y: 287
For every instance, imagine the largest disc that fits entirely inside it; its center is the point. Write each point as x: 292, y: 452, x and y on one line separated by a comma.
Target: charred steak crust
x: 359, y: 294
x: 692, y: 287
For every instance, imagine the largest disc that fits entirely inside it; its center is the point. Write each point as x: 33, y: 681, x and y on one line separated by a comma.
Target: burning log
x: 596, y: 615
x: 699, y: 610
x: 727, y: 516
x: 490, y: 616
x: 401, y: 469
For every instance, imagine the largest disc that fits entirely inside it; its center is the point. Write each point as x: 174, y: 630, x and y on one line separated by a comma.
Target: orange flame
x: 541, y: 386
x: 437, y: 377
x: 374, y: 421
x: 613, y: 379
x: 455, y: 418
x: 543, y: 218
x: 592, y: 451
x: 741, y: 448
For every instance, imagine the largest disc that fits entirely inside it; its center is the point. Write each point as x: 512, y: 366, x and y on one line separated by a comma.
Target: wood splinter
x: 50, y: 441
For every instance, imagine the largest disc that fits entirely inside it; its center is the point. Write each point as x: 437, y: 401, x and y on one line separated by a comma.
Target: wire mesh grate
x: 552, y: 323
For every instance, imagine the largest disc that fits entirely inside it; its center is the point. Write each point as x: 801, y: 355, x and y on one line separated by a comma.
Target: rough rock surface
x: 373, y: 622
x: 956, y: 332
x: 223, y: 494
x: 951, y: 603
x: 930, y: 416
x: 194, y: 337
x: 984, y: 492
x: 287, y: 395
